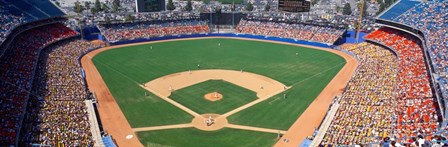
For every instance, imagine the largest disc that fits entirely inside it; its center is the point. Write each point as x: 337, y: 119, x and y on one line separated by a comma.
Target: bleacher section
x: 47, y: 7
x: 398, y: 9
x: 366, y: 108
x: 57, y: 114
x: 29, y: 9
x: 11, y: 9
x: 431, y: 18
x: 132, y: 31
x: 298, y: 31
x: 17, y: 71
x: 16, y: 12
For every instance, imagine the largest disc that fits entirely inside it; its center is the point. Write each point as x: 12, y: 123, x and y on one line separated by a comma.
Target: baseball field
x: 251, y: 110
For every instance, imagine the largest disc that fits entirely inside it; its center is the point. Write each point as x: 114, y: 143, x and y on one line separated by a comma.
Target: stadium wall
x: 288, y: 40
x: 350, y: 37
x: 90, y: 33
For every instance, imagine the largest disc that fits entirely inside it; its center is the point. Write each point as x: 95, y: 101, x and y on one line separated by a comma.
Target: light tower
x: 358, y: 26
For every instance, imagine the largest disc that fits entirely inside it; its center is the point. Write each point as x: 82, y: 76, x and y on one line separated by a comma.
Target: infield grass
x: 139, y: 110
x: 233, y: 96
x: 225, y: 137
x: 308, y: 73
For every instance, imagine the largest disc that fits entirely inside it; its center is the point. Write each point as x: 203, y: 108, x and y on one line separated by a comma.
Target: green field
x: 308, y: 72
x: 191, y: 137
x: 233, y: 96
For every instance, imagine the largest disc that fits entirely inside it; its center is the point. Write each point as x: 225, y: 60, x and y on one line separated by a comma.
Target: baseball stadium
x: 230, y: 73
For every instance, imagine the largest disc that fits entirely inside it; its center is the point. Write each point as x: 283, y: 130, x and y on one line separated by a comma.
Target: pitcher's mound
x: 213, y: 96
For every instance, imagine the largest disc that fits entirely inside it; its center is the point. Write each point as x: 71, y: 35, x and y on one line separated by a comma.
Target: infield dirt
x: 213, y: 96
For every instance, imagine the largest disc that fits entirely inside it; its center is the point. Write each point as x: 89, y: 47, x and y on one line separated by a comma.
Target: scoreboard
x: 294, y: 5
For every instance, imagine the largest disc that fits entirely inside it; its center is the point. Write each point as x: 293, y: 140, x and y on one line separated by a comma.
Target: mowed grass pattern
x: 192, y: 137
x: 139, y: 110
x: 233, y: 96
x: 280, y: 113
x: 308, y: 72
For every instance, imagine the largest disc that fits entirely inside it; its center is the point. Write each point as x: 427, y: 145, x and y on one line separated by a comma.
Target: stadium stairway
x: 325, y: 124
x: 94, y: 128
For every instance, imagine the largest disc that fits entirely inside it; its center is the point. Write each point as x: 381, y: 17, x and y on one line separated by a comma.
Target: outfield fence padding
x: 249, y: 36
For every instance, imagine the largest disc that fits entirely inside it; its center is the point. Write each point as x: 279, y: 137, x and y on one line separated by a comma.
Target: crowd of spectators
x: 431, y: 18
x: 366, y: 108
x: 107, y: 18
x: 388, y: 101
x: 56, y: 113
x: 415, y: 113
x: 17, y: 66
x: 340, y: 21
x: 7, y: 22
x: 16, y: 12
x: 416, y: 108
x: 130, y: 31
x: 291, y: 30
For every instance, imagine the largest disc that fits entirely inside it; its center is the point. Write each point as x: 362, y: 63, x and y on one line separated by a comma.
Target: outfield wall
x: 270, y: 38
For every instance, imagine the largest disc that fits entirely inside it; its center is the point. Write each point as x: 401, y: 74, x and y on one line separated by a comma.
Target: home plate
x: 129, y: 136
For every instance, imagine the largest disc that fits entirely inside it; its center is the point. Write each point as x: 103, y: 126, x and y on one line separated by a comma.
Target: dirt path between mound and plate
x: 116, y: 124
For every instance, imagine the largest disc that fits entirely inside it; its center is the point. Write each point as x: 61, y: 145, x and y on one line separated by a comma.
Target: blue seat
x: 47, y: 7
x: 24, y: 6
x: 399, y: 9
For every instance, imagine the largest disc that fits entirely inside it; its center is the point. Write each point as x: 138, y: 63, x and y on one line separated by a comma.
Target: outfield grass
x: 308, y: 72
x: 139, y: 110
x: 280, y: 113
x: 196, y: 138
x: 233, y: 96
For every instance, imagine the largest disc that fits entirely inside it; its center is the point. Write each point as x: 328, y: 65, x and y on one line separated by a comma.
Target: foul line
x: 241, y: 127
x: 174, y: 103
x: 270, y: 103
x: 251, y: 104
x: 165, y: 127
x: 108, y: 66
x: 317, y: 74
